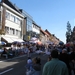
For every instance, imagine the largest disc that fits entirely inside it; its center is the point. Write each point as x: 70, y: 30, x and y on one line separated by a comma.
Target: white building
x: 35, y: 29
x: 10, y: 22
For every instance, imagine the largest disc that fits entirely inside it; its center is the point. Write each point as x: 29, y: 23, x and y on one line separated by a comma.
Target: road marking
x: 6, y: 71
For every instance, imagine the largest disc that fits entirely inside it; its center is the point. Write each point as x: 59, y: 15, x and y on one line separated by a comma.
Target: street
x: 16, y: 66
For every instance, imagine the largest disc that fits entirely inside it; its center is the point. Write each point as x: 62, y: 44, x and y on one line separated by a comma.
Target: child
x: 29, y: 66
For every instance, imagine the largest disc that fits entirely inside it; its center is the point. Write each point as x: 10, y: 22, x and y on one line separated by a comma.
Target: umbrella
x: 33, y: 39
x: 15, y: 42
x: 68, y: 45
x: 61, y: 43
x: 39, y: 43
x: 24, y: 43
x: 2, y: 43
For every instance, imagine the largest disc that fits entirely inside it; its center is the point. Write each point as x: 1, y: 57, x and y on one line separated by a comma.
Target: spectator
x: 55, y: 66
x: 36, y: 66
x: 64, y: 56
x: 29, y: 66
x: 29, y: 63
x: 5, y: 53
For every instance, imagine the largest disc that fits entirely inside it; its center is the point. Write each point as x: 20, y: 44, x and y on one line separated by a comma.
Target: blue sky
x: 50, y: 14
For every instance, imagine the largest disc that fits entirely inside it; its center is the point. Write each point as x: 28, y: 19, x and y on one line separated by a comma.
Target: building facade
x: 17, y: 25
x: 35, y: 30
x: 44, y: 37
x: 27, y: 25
x: 52, y: 38
x: 11, y: 22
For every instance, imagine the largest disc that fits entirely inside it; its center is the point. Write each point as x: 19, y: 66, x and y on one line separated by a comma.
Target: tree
x: 68, y: 32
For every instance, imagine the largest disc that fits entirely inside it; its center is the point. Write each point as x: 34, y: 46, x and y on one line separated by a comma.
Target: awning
x: 11, y: 39
x: 8, y: 39
x: 33, y: 39
x: 17, y: 39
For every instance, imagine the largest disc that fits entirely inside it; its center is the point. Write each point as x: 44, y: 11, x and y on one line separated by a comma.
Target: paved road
x: 16, y: 66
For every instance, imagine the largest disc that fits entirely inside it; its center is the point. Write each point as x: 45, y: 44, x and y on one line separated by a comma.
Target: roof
x: 36, y: 24
x: 48, y: 32
x: 10, y: 4
x: 44, y: 32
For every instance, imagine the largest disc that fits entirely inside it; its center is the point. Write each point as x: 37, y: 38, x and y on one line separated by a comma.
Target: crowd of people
x: 20, y: 49
x: 33, y: 66
x: 61, y: 59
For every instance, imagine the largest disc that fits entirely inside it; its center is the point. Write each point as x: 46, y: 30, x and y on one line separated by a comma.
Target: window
x: 33, y: 26
x: 20, y: 24
x: 12, y: 18
x: 29, y: 24
x: 18, y: 33
x: 7, y: 15
x: 15, y: 19
x: 7, y: 30
x: 18, y: 21
x: 12, y: 31
x: 29, y: 28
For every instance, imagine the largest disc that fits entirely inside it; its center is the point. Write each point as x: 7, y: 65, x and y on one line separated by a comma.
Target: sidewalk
x: 4, y: 59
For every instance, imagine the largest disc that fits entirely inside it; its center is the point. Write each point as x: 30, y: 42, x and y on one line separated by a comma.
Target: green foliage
x: 69, y: 27
x: 68, y: 32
